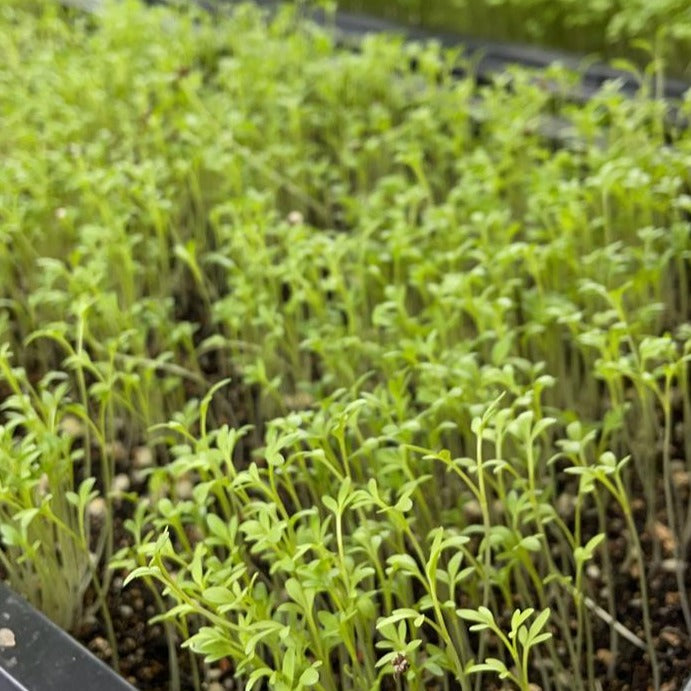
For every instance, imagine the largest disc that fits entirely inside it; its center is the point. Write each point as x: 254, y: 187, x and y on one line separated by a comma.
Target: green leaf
x: 330, y: 504
x: 218, y: 595
x: 288, y: 666
x: 140, y: 572
x: 256, y: 675
x: 295, y: 591
x: 266, y: 628
x: 399, y: 615
x: 491, y: 664
x: 10, y: 535
x: 343, y: 492
x: 404, y: 504
x: 196, y: 565
x: 25, y: 517
x: 211, y: 644
x: 309, y: 677
x: 482, y: 615
x: 542, y: 425
x: 531, y: 543
x: 540, y: 638
x: 594, y: 543
x: 518, y: 617
x: 405, y: 563
x: 539, y: 623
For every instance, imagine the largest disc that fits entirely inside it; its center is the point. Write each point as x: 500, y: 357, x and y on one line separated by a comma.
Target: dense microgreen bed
x: 366, y: 380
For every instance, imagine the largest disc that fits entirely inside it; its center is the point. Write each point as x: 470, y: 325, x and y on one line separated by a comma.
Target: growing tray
x: 35, y: 655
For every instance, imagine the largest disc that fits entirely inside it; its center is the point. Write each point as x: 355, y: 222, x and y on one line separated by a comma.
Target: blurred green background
x: 633, y: 29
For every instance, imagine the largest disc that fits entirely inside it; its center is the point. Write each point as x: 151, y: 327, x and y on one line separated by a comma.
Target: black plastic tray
x: 45, y: 658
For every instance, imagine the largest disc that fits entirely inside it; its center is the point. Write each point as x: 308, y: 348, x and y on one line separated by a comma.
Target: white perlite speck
x: 7, y: 639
